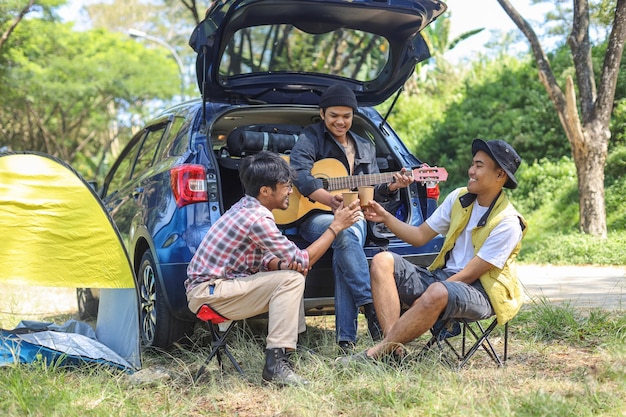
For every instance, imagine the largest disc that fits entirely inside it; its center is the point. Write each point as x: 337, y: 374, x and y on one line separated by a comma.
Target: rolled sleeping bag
x: 245, y: 142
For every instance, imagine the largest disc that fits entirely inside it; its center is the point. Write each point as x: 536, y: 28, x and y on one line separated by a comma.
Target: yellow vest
x: 502, y: 286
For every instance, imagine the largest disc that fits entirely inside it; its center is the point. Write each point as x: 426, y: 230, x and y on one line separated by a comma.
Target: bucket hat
x: 504, y: 155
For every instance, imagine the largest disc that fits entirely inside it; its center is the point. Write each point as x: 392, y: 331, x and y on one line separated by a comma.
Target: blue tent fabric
x: 121, y: 335
x: 70, y: 326
x: 59, y: 348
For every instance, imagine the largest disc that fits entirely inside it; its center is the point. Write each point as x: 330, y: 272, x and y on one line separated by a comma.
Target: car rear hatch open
x: 290, y: 51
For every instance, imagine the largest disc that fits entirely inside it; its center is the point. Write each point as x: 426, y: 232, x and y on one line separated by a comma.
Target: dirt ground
x: 583, y: 286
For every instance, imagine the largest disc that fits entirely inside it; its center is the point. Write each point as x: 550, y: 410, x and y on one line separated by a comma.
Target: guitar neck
x: 354, y: 181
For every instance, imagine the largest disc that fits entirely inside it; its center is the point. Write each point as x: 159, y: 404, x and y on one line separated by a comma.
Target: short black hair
x: 264, y: 169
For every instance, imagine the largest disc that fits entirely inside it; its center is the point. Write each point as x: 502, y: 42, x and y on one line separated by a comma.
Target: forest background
x: 79, y: 93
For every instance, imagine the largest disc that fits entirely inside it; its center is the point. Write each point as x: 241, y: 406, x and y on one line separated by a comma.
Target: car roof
x: 290, y: 51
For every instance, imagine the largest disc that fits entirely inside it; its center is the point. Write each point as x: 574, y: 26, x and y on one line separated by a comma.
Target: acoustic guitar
x: 336, y: 180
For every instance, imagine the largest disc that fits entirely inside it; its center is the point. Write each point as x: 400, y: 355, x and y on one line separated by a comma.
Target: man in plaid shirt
x: 245, y: 266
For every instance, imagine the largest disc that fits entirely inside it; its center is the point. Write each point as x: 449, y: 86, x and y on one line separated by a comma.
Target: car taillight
x: 189, y: 184
x: 432, y: 191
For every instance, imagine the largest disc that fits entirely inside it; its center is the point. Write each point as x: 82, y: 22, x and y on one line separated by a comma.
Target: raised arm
x: 415, y: 235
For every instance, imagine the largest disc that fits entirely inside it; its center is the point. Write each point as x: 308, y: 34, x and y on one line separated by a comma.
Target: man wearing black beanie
x: 332, y: 138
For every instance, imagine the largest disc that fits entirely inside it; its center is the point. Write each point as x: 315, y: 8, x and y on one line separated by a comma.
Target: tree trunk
x: 590, y: 137
x: 590, y: 162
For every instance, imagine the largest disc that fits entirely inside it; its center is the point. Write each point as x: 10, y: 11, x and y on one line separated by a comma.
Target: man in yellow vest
x: 473, y: 276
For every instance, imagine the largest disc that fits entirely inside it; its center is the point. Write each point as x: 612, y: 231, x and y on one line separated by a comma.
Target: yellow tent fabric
x: 54, y: 230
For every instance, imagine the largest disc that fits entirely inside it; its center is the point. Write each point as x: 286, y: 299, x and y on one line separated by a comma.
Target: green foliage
x: 615, y: 189
x: 545, y: 182
x: 65, y: 90
x: 546, y: 246
x: 415, y: 119
x: 548, y: 197
x: 618, y: 119
x: 170, y: 20
x: 497, y: 100
x: 502, y: 98
x: 10, y: 9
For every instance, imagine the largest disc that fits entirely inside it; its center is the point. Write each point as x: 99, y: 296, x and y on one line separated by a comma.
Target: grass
x: 562, y: 362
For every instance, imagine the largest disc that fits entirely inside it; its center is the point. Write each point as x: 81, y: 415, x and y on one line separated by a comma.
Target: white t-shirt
x: 497, y: 247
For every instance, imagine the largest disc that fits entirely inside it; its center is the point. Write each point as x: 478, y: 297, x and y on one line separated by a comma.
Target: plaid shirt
x: 241, y: 243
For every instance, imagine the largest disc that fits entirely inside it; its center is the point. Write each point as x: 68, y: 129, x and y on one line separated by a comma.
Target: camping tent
x: 57, y: 233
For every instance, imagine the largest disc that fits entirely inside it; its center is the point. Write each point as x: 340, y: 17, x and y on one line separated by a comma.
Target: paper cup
x: 366, y: 194
x: 349, y: 197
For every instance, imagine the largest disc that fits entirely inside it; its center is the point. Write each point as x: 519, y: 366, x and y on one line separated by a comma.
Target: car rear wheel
x: 158, y: 327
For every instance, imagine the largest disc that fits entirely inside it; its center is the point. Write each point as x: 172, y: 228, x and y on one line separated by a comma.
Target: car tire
x: 87, y: 304
x: 158, y: 327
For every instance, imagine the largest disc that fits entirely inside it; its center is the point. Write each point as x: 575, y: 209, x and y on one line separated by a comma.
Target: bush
x: 572, y: 248
x: 546, y: 183
x: 547, y: 196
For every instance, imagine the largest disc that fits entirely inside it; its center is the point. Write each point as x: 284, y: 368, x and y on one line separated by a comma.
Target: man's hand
x: 322, y: 196
x: 376, y: 213
x: 296, y: 266
x: 400, y: 180
x: 335, y: 201
x: 346, y: 216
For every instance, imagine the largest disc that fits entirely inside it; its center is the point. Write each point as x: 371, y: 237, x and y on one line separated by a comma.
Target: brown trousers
x: 278, y: 293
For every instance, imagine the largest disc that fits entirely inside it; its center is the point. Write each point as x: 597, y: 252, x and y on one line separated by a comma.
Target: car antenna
x: 390, y: 109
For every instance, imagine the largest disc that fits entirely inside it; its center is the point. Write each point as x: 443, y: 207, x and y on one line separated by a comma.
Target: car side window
x: 148, y: 149
x: 120, y: 173
x: 177, y: 138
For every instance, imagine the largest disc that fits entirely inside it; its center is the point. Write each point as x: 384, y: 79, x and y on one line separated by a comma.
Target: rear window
x: 285, y: 48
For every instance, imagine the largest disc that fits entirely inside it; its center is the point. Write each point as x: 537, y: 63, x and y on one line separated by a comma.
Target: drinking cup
x: 366, y: 194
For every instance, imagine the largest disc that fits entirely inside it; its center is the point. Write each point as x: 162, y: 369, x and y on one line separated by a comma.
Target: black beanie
x: 338, y: 95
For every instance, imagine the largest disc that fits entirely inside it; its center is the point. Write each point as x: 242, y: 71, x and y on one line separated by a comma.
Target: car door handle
x: 137, y: 191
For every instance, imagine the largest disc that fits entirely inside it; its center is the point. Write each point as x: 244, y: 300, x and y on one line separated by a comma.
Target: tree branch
x: 612, y: 60
x: 574, y: 129
x: 191, y: 6
x: 16, y: 21
x: 545, y: 71
x: 580, y: 46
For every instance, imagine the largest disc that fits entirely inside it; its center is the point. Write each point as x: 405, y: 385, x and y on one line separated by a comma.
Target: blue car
x: 262, y: 66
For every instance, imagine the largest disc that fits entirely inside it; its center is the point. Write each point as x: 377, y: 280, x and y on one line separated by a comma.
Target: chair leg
x: 481, y: 340
x: 436, y: 340
x: 478, y: 339
x: 481, y: 337
x: 506, y: 342
x: 218, y: 344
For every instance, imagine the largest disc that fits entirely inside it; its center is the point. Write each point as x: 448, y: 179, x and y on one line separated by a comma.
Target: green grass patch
x: 561, y: 362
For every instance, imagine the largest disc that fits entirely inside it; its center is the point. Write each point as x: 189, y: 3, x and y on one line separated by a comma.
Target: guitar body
x: 336, y: 180
x: 299, y: 205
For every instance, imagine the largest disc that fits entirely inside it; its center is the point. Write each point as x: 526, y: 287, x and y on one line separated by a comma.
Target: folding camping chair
x: 443, y: 331
x: 216, y: 322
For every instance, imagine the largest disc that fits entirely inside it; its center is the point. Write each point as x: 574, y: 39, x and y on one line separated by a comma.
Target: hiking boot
x: 278, y: 370
x: 346, y: 347
x: 373, y: 326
